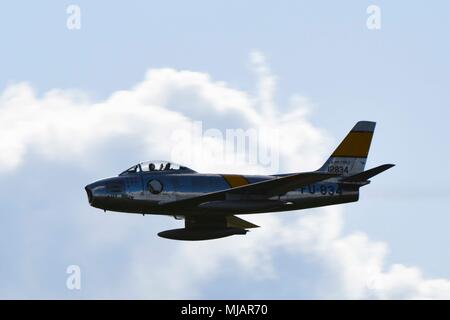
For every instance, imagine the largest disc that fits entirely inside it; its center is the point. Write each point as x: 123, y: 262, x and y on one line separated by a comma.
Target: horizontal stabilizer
x: 366, y: 175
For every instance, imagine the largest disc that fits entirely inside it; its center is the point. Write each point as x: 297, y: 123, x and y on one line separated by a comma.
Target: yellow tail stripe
x: 235, y: 180
x: 356, y: 144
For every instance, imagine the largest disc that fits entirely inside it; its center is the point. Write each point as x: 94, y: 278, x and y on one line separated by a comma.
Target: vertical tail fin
x: 350, y: 156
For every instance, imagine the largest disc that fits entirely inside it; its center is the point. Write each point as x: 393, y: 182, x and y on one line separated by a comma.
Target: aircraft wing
x: 263, y: 189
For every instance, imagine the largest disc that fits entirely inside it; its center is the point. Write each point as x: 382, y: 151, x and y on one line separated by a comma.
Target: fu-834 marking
x: 324, y: 189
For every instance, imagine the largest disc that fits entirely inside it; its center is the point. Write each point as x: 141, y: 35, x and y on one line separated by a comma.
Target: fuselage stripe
x: 235, y: 180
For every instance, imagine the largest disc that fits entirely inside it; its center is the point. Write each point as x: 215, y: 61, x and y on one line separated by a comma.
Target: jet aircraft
x: 209, y: 203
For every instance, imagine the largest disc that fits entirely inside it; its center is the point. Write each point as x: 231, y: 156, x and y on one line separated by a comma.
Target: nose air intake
x: 89, y: 194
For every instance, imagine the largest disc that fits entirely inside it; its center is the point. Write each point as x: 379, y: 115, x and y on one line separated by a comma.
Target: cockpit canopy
x: 156, y: 166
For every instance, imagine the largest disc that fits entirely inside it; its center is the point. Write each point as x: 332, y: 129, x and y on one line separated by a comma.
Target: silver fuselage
x: 131, y: 193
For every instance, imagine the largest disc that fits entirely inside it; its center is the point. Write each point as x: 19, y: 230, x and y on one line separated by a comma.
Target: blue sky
x: 323, y: 51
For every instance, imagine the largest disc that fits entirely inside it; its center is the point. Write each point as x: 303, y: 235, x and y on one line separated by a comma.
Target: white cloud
x: 65, y: 127
x: 358, y: 263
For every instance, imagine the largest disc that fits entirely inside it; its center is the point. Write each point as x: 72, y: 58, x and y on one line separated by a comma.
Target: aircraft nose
x: 89, y: 193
